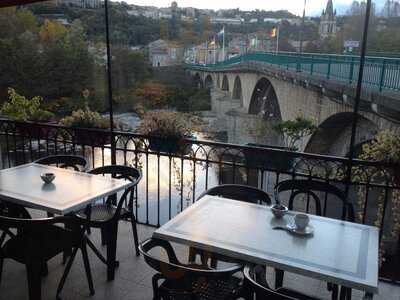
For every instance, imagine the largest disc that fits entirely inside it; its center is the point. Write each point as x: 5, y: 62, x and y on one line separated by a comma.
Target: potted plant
x: 27, y: 113
x: 86, y: 119
x: 167, y: 131
x: 277, y: 158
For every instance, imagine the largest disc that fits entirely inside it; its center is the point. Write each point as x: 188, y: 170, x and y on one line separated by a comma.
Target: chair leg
x: 86, y: 263
x: 66, y: 272
x: 112, y: 233
x: 33, y: 269
x: 135, y: 235
x: 44, y: 269
x: 103, y: 236
x: 1, y: 268
x: 279, y: 274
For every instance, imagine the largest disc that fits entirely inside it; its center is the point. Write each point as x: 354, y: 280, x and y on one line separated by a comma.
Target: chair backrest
x: 75, y: 162
x: 259, y: 286
x: 171, y: 268
x: 121, y: 172
x: 312, y: 189
x: 239, y: 192
x: 33, y: 233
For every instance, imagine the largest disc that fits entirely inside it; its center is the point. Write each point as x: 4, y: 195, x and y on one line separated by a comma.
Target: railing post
x: 351, y: 70
x: 382, y: 77
x: 312, y: 65
x: 328, y: 74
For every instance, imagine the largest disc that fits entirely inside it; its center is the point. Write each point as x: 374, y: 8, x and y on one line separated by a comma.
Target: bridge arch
x: 237, y: 92
x: 264, y: 101
x: 208, y: 82
x: 225, y: 83
x: 333, y: 135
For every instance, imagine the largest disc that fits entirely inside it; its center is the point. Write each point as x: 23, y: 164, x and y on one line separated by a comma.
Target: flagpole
x: 223, y: 44
x: 206, y: 52
x: 215, y: 51
x: 277, y: 39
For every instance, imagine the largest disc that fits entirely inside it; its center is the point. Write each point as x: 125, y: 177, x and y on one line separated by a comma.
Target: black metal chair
x: 39, y: 240
x: 255, y: 284
x: 237, y: 192
x: 75, y: 162
x: 107, y: 215
x: 175, y: 280
x: 311, y: 189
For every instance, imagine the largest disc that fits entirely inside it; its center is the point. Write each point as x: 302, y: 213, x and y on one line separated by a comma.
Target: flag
x: 273, y: 32
x: 222, y: 32
x: 212, y: 43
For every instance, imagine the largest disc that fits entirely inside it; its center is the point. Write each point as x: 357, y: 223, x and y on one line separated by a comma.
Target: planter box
x: 91, y: 137
x: 169, y: 145
x: 35, y: 130
x: 274, y: 160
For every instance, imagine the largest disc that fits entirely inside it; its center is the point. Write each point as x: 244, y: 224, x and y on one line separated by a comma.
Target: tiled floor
x: 133, y: 277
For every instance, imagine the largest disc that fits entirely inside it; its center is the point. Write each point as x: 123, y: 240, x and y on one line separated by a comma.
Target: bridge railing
x: 380, y: 73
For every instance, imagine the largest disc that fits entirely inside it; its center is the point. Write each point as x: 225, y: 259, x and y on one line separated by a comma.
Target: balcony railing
x: 175, y: 174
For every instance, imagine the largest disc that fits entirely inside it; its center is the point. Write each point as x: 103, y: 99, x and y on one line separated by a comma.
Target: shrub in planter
x: 166, y: 130
x: 293, y: 131
x: 87, y: 119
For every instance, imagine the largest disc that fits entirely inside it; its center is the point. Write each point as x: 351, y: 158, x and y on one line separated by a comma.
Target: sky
x: 295, y: 6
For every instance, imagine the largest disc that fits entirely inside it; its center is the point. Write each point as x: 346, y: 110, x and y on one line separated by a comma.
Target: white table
x: 338, y: 252
x: 70, y: 190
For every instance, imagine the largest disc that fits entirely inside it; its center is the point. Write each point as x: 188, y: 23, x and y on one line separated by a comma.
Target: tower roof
x: 329, y: 8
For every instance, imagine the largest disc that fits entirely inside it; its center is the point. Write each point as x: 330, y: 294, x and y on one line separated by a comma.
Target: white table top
x: 70, y: 190
x: 338, y: 252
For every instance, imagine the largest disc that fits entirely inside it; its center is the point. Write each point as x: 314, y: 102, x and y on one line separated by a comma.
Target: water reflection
x: 169, y: 184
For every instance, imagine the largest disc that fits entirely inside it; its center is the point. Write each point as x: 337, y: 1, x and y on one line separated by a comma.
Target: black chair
x: 75, y: 162
x: 39, y: 240
x: 312, y: 190
x: 255, y: 284
x: 238, y: 192
x: 107, y: 215
x: 175, y: 280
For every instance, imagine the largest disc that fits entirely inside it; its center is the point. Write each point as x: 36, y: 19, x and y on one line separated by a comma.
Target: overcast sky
x: 294, y: 6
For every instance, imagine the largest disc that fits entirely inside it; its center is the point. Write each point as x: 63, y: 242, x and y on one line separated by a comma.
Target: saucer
x: 306, y: 231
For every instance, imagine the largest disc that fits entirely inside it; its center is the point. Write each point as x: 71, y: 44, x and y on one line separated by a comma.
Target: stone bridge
x: 252, y: 99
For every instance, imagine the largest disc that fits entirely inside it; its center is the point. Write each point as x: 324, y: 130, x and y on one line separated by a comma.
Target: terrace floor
x: 133, y: 277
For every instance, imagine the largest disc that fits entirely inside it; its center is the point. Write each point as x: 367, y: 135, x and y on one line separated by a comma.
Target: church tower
x: 327, y: 25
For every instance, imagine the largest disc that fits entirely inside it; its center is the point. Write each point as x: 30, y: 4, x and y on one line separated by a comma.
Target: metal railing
x: 380, y: 73
x: 174, y: 174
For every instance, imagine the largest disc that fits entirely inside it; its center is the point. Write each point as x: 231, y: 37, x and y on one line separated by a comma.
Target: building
x: 391, y: 9
x: 328, y: 22
x: 76, y: 3
x: 228, y: 21
x: 165, y: 53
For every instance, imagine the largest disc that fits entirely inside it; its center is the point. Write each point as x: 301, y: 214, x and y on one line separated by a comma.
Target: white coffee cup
x: 301, y: 221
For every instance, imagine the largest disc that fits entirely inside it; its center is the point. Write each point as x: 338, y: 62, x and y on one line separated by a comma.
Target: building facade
x: 328, y: 22
x: 165, y: 53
